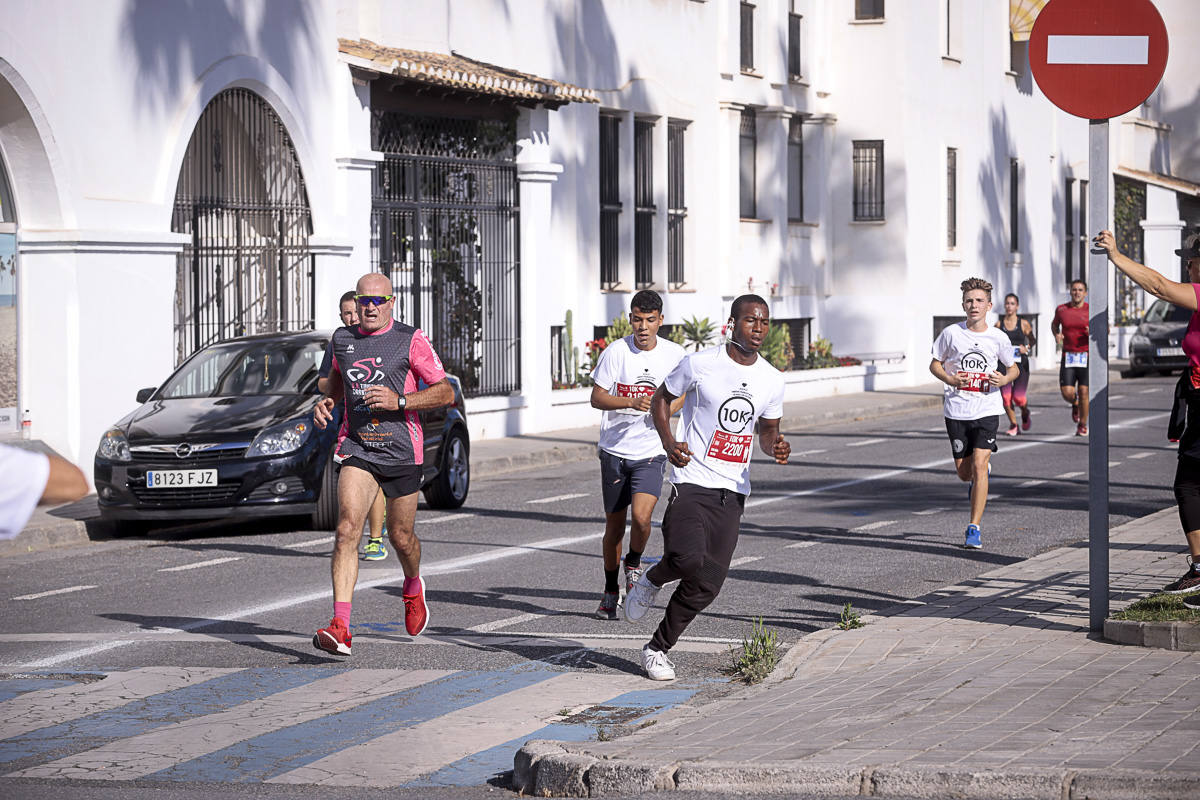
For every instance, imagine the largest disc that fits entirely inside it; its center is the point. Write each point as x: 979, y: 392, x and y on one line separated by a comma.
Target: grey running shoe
x: 639, y: 599
x: 631, y: 577
x: 1190, y: 582
x: 608, y: 606
x: 658, y: 667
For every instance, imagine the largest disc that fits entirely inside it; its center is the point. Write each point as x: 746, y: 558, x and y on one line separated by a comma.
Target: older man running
x: 379, y: 362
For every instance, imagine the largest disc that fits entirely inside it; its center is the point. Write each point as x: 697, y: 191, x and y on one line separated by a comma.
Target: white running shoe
x: 640, y: 598
x: 658, y: 667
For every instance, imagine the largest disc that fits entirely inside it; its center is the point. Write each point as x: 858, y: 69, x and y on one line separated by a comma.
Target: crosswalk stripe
x: 138, y: 756
x: 52, y: 592
x: 870, y: 526
x: 35, y: 710
x: 737, y: 562
x: 1141, y: 455
x: 431, y: 744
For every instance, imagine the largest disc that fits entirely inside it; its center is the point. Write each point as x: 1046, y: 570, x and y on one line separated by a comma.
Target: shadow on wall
x: 995, y: 249
x: 1184, y: 116
x: 172, y: 43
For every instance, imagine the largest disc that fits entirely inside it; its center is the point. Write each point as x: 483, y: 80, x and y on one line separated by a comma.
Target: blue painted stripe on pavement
x: 275, y: 753
x: 155, y: 711
x: 18, y: 686
x: 479, y: 768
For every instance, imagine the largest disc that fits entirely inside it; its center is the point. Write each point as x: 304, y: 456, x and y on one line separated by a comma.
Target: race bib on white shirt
x: 723, y: 401
x: 625, y: 371
x: 1075, y: 359
x: 973, y: 356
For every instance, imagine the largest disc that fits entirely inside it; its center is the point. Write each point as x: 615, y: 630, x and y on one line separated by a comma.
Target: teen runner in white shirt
x: 726, y: 389
x: 631, y: 456
x: 967, y: 357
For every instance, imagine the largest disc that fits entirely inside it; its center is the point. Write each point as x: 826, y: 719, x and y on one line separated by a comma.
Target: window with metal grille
x: 868, y: 179
x: 676, y: 203
x: 951, y: 198
x: 242, y: 199
x: 799, y: 336
x: 1014, y: 205
x: 747, y: 153
x: 1018, y: 55
x: 610, y: 199
x: 445, y: 216
x: 795, y: 169
x: 868, y: 9
x: 643, y: 200
x: 793, y: 46
x: 747, y: 32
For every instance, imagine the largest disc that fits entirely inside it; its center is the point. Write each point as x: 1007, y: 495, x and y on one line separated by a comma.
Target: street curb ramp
x: 556, y: 769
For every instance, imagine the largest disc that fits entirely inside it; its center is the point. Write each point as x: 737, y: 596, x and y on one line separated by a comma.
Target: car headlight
x: 1138, y: 340
x: 114, y: 446
x: 279, y: 439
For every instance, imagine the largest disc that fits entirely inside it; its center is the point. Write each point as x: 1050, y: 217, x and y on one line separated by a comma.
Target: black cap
x: 1191, y: 249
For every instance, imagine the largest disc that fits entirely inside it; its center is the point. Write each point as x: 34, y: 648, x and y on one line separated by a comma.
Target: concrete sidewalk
x: 989, y: 689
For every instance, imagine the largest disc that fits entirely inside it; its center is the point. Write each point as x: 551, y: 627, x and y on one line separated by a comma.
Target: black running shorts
x: 396, y: 480
x: 968, y: 435
x: 1071, y: 376
x: 622, y: 478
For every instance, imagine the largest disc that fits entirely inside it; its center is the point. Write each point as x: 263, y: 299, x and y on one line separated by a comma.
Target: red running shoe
x: 1081, y: 430
x: 334, y: 639
x: 1026, y: 419
x: 416, y: 613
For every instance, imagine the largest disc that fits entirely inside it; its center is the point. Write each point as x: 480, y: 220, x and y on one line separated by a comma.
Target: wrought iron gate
x: 444, y: 217
x: 241, y: 196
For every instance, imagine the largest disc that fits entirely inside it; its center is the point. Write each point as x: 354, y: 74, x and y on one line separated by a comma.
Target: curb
x: 548, y: 769
x: 38, y: 537
x: 1183, y: 636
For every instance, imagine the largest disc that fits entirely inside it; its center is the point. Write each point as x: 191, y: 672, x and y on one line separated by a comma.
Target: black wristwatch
x: 401, y: 402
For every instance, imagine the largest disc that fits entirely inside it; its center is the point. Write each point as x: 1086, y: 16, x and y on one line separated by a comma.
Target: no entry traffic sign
x: 1097, y: 59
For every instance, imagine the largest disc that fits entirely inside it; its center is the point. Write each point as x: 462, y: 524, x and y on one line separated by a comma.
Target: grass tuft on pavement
x: 758, y: 656
x: 1159, y: 608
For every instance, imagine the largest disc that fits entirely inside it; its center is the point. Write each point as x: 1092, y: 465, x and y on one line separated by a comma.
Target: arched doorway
x: 241, y: 197
x: 8, y: 306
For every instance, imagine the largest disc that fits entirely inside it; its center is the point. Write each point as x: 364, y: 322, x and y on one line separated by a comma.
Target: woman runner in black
x: 1020, y: 333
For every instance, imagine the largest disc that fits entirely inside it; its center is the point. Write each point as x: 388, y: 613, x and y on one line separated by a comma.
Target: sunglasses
x: 373, y: 299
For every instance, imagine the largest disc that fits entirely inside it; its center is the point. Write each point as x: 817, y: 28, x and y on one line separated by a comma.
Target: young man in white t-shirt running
x: 967, y: 358
x: 726, y: 390
x: 631, y: 456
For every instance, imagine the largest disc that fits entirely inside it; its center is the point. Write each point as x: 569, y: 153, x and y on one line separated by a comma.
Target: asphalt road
x: 868, y: 512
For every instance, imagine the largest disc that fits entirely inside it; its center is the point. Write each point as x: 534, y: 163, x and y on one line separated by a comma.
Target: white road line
x: 808, y: 453
x: 941, y: 462
x: 798, y: 545
x: 210, y: 563
x: 556, y: 498
x: 1027, y: 484
x: 865, y: 442
x: 737, y: 562
x: 309, y: 543
x: 1067, y: 476
x: 52, y: 592
x: 496, y: 625
x: 928, y: 511
x: 992, y: 497
x: 870, y: 526
x: 1142, y: 455
x: 446, y: 518
x: 1148, y: 391
x: 1112, y: 464
x: 1116, y: 397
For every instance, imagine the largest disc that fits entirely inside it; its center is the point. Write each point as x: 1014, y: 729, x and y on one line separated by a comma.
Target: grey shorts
x: 622, y: 478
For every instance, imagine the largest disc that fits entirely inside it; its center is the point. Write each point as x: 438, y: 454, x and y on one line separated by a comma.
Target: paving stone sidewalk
x: 990, y: 689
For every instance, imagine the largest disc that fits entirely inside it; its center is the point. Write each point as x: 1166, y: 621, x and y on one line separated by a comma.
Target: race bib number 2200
x: 731, y: 447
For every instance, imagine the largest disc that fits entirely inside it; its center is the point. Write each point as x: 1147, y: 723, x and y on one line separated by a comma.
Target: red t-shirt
x: 1074, y: 326
x: 1191, y: 342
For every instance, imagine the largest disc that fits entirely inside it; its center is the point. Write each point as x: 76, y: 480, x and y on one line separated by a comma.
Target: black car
x: 1157, y: 344
x: 231, y: 433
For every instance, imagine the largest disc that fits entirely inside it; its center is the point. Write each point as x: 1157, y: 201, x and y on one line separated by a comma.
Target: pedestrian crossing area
x: 304, y: 725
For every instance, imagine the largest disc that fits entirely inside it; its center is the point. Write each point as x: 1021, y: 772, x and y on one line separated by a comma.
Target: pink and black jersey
x: 395, y: 357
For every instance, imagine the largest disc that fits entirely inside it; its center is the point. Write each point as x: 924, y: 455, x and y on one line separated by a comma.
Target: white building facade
x: 179, y: 174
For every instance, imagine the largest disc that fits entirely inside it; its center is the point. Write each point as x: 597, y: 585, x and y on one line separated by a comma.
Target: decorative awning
x: 1021, y: 16
x: 1157, y: 179
x: 461, y: 73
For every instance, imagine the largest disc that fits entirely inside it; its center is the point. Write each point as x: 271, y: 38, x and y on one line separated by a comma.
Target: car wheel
x: 325, y: 518
x: 449, y: 488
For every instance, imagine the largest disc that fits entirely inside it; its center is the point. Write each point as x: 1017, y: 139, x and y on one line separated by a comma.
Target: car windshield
x: 1162, y: 311
x: 235, y: 369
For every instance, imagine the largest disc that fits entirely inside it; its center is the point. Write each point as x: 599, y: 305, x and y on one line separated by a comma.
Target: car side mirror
x: 145, y: 394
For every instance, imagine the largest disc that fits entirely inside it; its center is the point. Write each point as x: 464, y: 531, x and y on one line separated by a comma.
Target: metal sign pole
x: 1098, y: 273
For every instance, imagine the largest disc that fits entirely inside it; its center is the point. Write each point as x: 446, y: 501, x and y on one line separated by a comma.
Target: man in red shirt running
x: 1070, y: 329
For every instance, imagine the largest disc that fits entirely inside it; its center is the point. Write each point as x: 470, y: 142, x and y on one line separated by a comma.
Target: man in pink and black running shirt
x: 376, y: 366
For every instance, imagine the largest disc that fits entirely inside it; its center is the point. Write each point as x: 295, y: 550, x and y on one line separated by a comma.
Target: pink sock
x: 412, y: 585
x: 342, y: 611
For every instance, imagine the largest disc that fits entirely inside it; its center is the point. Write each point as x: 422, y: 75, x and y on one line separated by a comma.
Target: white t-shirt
x: 23, y: 476
x: 625, y: 371
x: 724, y: 400
x: 976, y: 354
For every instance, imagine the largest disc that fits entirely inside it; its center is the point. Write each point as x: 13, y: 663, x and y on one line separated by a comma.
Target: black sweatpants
x: 700, y: 532
x: 1187, y: 492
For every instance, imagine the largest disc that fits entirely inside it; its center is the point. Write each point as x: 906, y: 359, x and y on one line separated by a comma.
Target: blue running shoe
x: 374, y: 550
x: 974, y: 538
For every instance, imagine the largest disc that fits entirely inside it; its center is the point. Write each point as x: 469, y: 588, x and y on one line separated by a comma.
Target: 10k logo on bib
x: 730, y: 442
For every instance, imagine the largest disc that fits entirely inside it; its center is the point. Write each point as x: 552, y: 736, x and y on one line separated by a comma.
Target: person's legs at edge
x: 639, y: 535
x: 1187, y: 496
x: 1020, y: 399
x: 402, y: 516
x: 356, y: 488
x: 375, y: 550
x: 1068, y: 393
x: 1083, y: 409
x: 1006, y: 394
x: 614, y: 533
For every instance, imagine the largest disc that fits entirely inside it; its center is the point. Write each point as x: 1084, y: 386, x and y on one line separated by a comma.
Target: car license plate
x: 1169, y: 351
x: 180, y: 478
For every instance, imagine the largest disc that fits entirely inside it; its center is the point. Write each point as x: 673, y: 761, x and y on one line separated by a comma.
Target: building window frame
x: 868, y: 180
x: 795, y: 169
x: 610, y: 199
x: 1014, y: 205
x: 868, y: 10
x: 676, y: 203
x: 747, y: 168
x: 643, y: 201
x: 795, y: 28
x: 746, y: 31
x: 951, y: 198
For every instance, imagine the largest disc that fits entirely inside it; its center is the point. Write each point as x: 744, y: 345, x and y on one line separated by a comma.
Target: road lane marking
x: 1112, y: 464
x: 446, y: 518
x: 1085, y: 49
x: 53, y: 592
x: 210, y: 563
x: 1027, y: 484
x: 865, y: 442
x: 928, y: 511
x: 870, y: 526
x: 737, y: 562
x: 309, y: 543
x: 497, y: 624
x: 1067, y: 476
x: 556, y: 498
x: 808, y: 453
x: 1148, y: 391
x: 798, y: 545
x: 1142, y: 455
